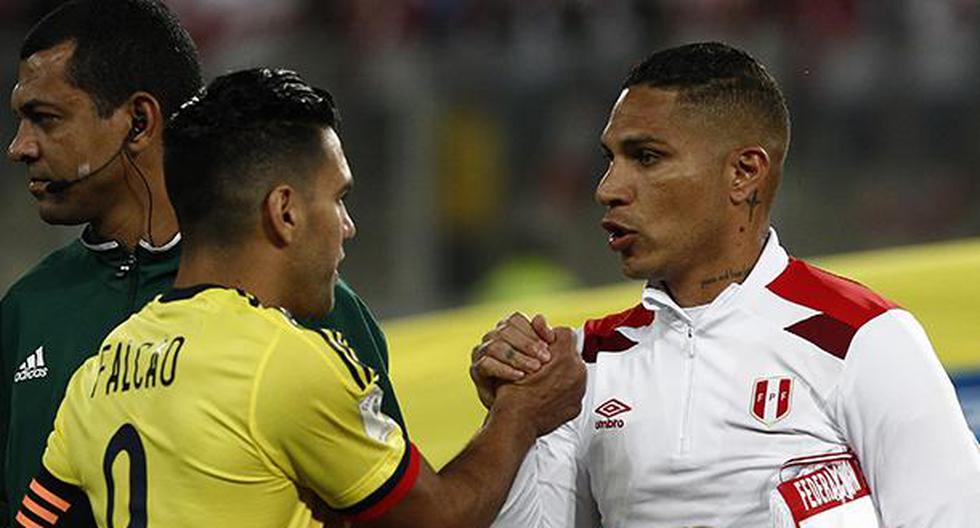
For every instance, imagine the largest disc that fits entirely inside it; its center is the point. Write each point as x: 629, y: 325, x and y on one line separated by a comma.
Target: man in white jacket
x: 746, y: 388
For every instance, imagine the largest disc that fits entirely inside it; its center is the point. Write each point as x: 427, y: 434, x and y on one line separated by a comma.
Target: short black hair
x: 122, y: 47
x: 227, y: 147
x: 716, y: 75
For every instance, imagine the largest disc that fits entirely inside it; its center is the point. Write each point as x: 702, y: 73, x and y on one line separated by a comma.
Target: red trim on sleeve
x: 398, y: 492
x: 601, y: 335
x: 845, y: 305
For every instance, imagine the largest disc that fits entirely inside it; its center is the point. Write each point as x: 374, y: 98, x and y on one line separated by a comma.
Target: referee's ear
x: 281, y: 214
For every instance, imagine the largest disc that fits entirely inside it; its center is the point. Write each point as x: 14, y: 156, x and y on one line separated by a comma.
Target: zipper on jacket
x: 685, y: 446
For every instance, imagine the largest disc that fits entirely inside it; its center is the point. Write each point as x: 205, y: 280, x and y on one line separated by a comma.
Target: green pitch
x: 939, y: 283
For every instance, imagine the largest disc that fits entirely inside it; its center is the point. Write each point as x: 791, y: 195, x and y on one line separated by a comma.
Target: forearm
x: 481, y: 475
x: 473, y: 486
x: 471, y: 489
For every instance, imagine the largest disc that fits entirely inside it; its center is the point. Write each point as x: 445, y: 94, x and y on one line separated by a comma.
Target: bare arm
x: 472, y: 487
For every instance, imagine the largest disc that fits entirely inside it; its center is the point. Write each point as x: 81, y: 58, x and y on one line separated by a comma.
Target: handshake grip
x: 557, y: 389
x: 532, y: 370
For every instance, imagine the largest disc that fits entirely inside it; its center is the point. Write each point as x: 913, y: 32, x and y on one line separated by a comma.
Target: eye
x: 42, y: 119
x: 647, y: 157
x: 343, y: 196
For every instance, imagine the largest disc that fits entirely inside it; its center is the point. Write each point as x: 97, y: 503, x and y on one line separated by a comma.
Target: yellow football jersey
x: 207, y: 409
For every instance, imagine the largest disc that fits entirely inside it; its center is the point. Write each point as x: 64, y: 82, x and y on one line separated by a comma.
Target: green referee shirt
x: 56, y: 316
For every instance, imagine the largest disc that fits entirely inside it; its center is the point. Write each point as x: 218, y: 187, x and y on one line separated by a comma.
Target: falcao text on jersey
x: 126, y: 365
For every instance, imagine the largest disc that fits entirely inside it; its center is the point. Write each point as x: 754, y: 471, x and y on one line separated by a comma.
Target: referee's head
x: 257, y: 177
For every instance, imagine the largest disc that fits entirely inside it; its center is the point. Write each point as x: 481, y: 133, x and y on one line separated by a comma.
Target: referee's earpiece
x: 139, y: 125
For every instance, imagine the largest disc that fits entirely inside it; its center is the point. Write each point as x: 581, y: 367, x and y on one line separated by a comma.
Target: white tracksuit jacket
x: 795, y: 399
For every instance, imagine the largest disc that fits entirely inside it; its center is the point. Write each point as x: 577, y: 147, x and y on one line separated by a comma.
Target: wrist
x: 507, y: 415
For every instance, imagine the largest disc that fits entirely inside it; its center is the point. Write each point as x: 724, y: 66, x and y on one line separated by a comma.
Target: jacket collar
x: 772, y: 261
x: 113, y: 248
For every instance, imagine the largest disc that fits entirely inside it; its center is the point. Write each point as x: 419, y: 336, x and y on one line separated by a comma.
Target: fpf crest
x: 771, y: 399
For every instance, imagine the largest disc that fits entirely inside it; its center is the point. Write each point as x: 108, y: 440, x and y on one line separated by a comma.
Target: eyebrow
x: 31, y: 105
x: 632, y: 142
x: 636, y: 141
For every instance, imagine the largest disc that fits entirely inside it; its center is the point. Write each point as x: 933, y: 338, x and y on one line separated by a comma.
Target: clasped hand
x: 531, y: 364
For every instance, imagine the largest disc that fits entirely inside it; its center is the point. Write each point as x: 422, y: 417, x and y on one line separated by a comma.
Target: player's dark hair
x: 227, y: 147
x: 121, y: 47
x: 712, y: 74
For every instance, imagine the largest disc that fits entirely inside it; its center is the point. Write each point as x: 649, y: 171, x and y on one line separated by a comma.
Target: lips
x: 336, y: 267
x: 37, y: 186
x: 621, y: 237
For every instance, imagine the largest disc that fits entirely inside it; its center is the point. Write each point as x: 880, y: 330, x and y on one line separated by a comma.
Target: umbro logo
x: 32, y: 367
x: 609, y: 410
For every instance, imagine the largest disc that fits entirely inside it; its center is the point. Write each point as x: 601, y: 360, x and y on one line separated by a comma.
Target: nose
x: 24, y: 147
x: 612, y: 189
x: 348, y: 225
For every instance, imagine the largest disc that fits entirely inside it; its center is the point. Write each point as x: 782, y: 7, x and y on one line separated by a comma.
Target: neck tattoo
x: 731, y: 274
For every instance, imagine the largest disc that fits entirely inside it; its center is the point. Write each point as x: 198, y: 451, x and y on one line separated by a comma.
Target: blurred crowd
x: 472, y: 125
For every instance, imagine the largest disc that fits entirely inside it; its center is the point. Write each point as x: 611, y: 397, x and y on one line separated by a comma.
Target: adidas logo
x: 32, y: 367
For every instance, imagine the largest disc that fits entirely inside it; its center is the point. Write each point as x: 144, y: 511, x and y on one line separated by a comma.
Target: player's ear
x: 145, y: 119
x: 747, y: 170
x: 282, y: 213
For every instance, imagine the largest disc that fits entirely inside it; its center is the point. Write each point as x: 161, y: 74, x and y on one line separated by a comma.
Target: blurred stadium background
x: 472, y: 126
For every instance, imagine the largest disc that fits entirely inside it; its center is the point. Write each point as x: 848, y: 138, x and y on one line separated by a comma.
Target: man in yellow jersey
x: 212, y: 407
